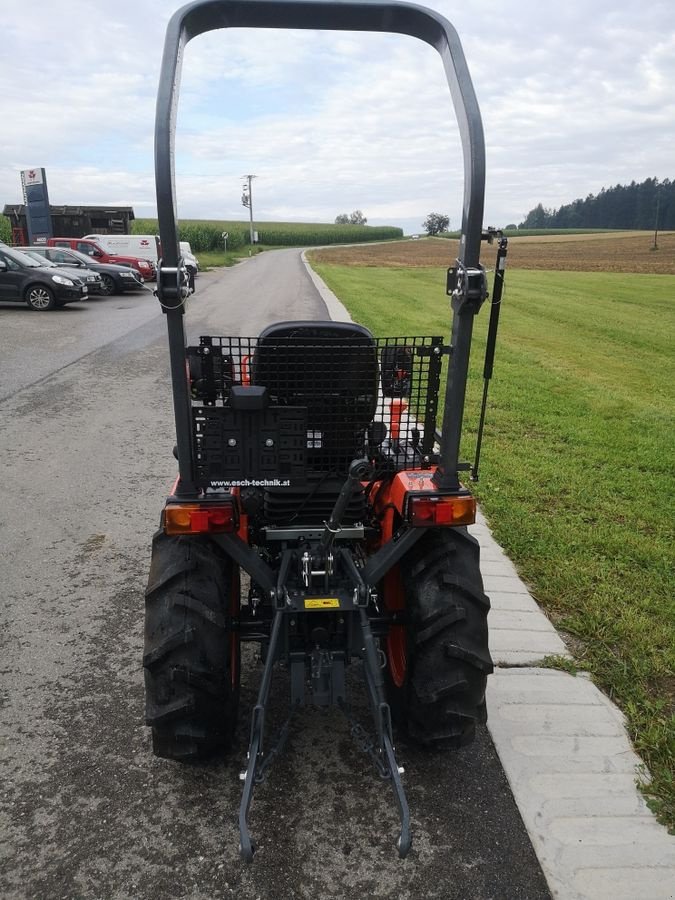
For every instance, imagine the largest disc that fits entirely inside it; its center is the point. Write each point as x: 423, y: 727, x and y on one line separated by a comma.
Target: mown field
x: 577, y: 475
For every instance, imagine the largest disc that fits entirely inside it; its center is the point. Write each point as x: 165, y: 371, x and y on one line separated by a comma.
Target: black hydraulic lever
x: 493, y: 327
x: 358, y: 470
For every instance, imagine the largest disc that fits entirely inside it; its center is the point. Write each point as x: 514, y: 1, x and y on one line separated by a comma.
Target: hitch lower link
x: 381, y: 749
x: 327, y: 667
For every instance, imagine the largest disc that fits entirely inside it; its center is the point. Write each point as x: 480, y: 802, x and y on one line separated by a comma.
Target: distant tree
x: 511, y: 227
x: 5, y: 229
x: 538, y: 218
x: 622, y: 206
x: 355, y: 218
x: 435, y: 223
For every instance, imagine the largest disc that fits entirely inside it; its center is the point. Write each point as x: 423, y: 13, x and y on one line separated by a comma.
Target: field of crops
x: 623, y: 251
x: 578, y: 469
x: 207, y: 235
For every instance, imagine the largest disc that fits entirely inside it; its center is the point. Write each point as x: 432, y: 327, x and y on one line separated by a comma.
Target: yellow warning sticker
x: 322, y: 603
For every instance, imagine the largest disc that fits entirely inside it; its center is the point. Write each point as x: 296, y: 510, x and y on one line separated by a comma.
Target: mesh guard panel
x: 333, y: 394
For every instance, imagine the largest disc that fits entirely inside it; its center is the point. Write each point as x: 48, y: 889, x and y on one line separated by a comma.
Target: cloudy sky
x: 574, y: 96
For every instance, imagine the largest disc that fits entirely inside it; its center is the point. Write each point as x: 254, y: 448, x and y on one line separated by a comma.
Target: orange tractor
x: 309, y: 458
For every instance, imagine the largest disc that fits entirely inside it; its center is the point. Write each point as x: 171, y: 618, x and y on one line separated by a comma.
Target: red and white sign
x: 32, y: 176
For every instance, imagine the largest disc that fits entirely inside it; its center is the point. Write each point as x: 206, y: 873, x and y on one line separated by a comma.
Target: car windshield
x: 38, y: 257
x: 80, y: 257
x: 22, y: 258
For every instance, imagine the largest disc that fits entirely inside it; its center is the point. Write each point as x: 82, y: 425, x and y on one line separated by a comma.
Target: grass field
x: 577, y: 474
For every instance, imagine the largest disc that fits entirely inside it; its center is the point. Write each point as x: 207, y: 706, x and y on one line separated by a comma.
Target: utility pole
x: 247, y: 200
x: 656, y: 219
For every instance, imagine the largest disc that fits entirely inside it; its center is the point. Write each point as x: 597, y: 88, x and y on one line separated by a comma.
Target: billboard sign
x: 36, y: 200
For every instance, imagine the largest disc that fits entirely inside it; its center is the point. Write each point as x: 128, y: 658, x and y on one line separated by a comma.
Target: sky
x: 574, y: 96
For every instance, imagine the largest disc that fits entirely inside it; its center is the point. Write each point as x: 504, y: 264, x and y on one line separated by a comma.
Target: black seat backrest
x: 331, y: 369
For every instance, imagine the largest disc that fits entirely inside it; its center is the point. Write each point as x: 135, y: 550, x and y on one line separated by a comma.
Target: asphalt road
x: 86, y: 811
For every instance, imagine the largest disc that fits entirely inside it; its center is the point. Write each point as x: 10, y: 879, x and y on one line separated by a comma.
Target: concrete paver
x: 573, y: 772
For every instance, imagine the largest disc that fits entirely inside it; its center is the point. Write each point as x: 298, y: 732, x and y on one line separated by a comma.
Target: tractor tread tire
x: 437, y: 623
x: 442, y: 697
x: 191, y: 696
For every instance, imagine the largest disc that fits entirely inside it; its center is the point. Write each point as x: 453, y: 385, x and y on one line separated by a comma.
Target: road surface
x: 86, y: 435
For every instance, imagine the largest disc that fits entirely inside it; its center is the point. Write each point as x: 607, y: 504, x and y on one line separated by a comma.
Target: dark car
x: 41, y: 287
x: 114, y: 279
x: 91, y: 279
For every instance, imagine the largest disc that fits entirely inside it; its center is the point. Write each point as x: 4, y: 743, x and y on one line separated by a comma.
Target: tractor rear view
x: 310, y: 458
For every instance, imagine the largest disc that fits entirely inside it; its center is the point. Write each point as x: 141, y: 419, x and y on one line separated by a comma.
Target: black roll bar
x: 337, y: 15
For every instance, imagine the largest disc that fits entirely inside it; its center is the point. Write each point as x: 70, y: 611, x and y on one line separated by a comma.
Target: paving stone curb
x: 336, y: 309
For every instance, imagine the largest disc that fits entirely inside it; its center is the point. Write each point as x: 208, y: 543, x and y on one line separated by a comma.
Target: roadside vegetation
x: 209, y: 259
x: 206, y: 237
x: 578, y: 465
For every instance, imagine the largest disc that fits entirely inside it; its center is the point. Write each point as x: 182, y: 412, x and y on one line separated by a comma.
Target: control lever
x: 359, y: 470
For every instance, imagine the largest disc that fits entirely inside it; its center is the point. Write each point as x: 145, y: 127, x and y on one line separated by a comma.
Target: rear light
x: 396, y: 409
x: 196, y: 518
x: 425, y: 512
x: 245, y: 370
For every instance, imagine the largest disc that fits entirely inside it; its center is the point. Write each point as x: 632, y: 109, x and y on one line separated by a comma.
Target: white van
x: 188, y: 256
x: 144, y: 246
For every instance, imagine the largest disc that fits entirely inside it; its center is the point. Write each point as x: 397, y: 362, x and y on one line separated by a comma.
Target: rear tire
x: 438, y: 696
x: 191, y: 657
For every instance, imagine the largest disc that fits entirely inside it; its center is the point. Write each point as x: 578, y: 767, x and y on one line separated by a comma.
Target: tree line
x: 646, y: 205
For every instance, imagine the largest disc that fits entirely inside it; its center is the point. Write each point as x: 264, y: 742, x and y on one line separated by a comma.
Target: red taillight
x: 429, y: 511
x: 195, y: 518
x: 245, y: 373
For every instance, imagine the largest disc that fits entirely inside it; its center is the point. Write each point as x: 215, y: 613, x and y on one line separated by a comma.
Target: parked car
x: 95, y: 251
x: 189, y: 257
x: 91, y: 279
x: 115, y: 279
x: 41, y: 287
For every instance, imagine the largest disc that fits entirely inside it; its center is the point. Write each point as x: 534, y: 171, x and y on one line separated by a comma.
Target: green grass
x: 5, y: 230
x: 577, y: 472
x: 211, y: 258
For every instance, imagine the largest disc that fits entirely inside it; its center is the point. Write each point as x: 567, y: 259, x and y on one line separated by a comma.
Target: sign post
x: 36, y: 200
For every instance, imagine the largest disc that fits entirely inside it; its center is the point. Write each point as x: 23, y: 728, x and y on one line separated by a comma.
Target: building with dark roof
x: 73, y: 221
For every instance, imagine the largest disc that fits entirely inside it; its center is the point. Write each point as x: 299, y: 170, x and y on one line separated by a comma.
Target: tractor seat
x: 329, y: 368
